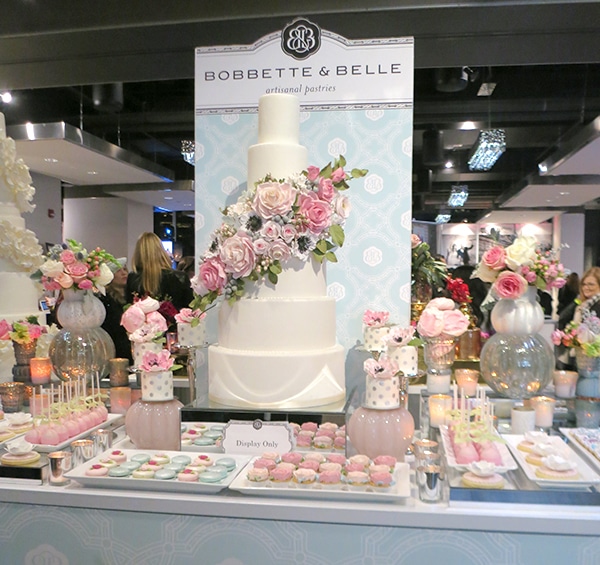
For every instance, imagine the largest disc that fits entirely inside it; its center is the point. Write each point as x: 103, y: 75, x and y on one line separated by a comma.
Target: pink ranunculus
x: 273, y: 198
x: 326, y: 190
x: 494, y: 258
x: 67, y: 257
x: 237, y: 254
x: 455, y: 323
x: 133, y: 318
x: 510, y: 285
x: 415, y: 240
x: 77, y: 270
x: 260, y: 246
x: 271, y: 230
x: 431, y: 323
x: 211, y: 276
x: 85, y: 284
x: 64, y: 280
x: 316, y: 212
x: 279, y: 251
x: 312, y: 173
x: 441, y: 303
x: 5, y: 328
x: 338, y: 175
x: 157, y: 320
x: 288, y: 233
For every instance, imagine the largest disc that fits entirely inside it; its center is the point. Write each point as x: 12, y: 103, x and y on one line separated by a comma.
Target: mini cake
x: 323, y: 442
x: 357, y: 479
x: 274, y: 456
x: 292, y: 457
x: 328, y: 466
x: 318, y: 457
x: 360, y: 460
x: 281, y: 474
x: 304, y: 477
x: 336, y: 458
x: 190, y: 336
x: 309, y: 464
x: 492, y: 481
x: 353, y: 467
x: 306, y: 433
x: 285, y: 465
x: 325, y: 432
x: 388, y: 460
x: 268, y: 464
x: 375, y: 330
x: 96, y: 471
x: 378, y: 469
x: 303, y: 441
x: 328, y: 426
x: 310, y: 426
x: 330, y: 479
x: 339, y: 443
x: 257, y: 474
x: 382, y: 389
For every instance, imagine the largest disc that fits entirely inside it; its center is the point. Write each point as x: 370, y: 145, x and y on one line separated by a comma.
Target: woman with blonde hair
x: 153, y: 275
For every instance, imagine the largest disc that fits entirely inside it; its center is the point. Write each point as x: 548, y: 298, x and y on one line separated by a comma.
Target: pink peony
x: 67, y: 257
x: 415, y: 240
x: 237, y: 254
x: 431, y: 323
x: 494, y: 258
x: 273, y: 198
x: 316, y: 212
x: 510, y: 285
x: 442, y: 304
x: 326, y: 190
x: 133, y: 318
x: 77, y: 270
x: 211, y: 276
x: 455, y: 323
x: 157, y: 320
x: 375, y: 319
x: 148, y: 305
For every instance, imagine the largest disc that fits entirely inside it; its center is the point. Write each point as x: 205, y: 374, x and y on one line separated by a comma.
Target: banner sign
x: 324, y: 70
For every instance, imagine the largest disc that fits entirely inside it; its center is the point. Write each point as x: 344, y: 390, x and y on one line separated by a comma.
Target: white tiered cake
x: 20, y: 252
x: 277, y: 345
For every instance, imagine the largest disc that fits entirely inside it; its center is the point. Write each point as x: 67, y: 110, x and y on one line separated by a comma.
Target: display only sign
x: 324, y: 70
x: 241, y: 436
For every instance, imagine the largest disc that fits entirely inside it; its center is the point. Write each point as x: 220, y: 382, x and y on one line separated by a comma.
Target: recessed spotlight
x: 6, y: 97
x: 542, y: 168
x: 466, y: 126
x: 92, y: 172
x: 566, y: 193
x: 449, y: 164
x: 51, y: 160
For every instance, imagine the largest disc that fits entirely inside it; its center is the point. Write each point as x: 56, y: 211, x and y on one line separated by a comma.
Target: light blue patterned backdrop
x: 374, y: 265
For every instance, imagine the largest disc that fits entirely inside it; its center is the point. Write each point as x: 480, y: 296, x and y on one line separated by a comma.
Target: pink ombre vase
x: 381, y: 432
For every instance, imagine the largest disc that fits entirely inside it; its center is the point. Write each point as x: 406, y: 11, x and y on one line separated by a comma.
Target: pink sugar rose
x: 316, y: 212
x: 431, y: 322
x: 211, y: 276
x: 237, y: 254
x: 312, y: 173
x: 288, y: 233
x: 279, y: 251
x: 133, y: 318
x: 510, y: 285
x: 5, y: 328
x: 455, y: 323
x: 415, y: 240
x: 338, y: 175
x: 271, y: 230
x: 326, y: 190
x: 399, y: 337
x: 273, y: 198
x: 494, y: 258
x: 67, y: 257
x: 77, y: 270
x: 157, y: 320
x: 441, y: 303
x: 260, y: 246
x: 156, y: 361
x: 85, y: 284
x: 64, y: 280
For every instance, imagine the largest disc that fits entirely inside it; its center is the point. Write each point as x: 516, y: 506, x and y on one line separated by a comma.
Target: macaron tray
x: 585, y: 476
x: 202, y: 437
x: 153, y: 470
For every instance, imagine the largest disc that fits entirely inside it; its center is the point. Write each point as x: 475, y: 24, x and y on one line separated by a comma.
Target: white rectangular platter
x: 587, y: 475
x: 399, y: 490
x: 579, y: 448
x: 508, y: 463
x: 172, y: 485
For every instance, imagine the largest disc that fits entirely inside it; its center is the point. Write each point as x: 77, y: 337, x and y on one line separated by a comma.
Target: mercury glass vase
x: 588, y: 384
x: 24, y: 352
x: 517, y: 362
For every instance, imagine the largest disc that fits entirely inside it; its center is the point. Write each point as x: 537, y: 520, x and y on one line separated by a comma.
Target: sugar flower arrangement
x: 24, y: 331
x: 374, y: 319
x: 158, y: 362
x: 144, y: 322
x: 16, y: 174
x: 273, y: 221
x: 70, y: 265
x: 584, y: 335
x: 382, y: 368
x: 402, y: 337
x: 440, y: 318
x: 513, y: 269
x: 189, y: 316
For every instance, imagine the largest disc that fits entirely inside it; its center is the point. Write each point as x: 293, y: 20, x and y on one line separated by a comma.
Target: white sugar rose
x: 342, y: 206
x: 484, y: 273
x: 52, y: 268
x: 521, y: 252
x: 273, y: 198
x: 104, y: 278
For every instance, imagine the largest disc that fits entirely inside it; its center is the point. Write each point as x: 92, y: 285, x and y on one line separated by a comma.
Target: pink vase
x: 381, y: 432
x: 154, y: 425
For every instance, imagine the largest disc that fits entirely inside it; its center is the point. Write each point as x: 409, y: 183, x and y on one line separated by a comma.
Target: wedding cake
x: 277, y: 344
x: 20, y: 252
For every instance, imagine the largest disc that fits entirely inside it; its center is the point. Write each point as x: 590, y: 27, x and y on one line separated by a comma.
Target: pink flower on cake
x: 143, y: 321
x: 326, y: 190
x: 279, y: 251
x: 288, y: 233
x: 271, y: 230
x: 211, y: 276
x: 237, y: 254
x: 342, y: 206
x: 316, y: 212
x: 510, y: 285
x: 400, y: 337
x: 273, y: 199
x: 157, y: 320
x: 375, y: 319
x: 312, y: 173
x: 189, y: 316
x: 383, y: 368
x: 338, y: 175
x: 156, y: 362
x: 133, y: 318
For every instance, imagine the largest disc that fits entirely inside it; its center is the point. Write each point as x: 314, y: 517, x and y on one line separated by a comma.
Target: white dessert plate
x: 215, y: 448
x: 508, y: 463
x: 588, y: 476
x: 580, y: 448
x: 172, y: 485
x: 400, y: 489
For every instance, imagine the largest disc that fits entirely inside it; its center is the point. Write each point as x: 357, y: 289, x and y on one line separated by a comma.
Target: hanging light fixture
x: 188, y: 151
x: 490, y: 145
x: 442, y: 218
x: 458, y: 195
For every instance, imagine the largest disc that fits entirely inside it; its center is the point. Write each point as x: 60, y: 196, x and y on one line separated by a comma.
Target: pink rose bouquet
x: 273, y: 221
x: 382, y: 368
x: 23, y: 332
x: 70, y: 265
x: 512, y: 269
x: 584, y: 335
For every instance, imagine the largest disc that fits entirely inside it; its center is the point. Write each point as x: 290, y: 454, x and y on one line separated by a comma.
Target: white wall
x: 47, y: 198
x: 140, y: 218
x: 572, y: 236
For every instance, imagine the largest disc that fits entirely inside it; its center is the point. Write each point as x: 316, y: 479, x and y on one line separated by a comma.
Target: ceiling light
x: 6, y: 97
x: 188, y: 150
x: 490, y: 145
x: 50, y: 160
x: 92, y: 172
x: 442, y: 218
x: 458, y: 195
x: 486, y: 89
x: 449, y: 165
x: 467, y: 126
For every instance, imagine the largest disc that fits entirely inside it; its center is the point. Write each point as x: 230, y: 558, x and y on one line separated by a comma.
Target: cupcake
x: 330, y: 426
x: 272, y: 455
x: 285, y: 465
x: 325, y: 433
x: 310, y: 426
x: 292, y: 457
x: 330, y: 479
x: 280, y: 474
x: 318, y: 457
x: 329, y: 466
x: 339, y: 442
x: 386, y: 460
x: 336, y: 458
x: 377, y: 469
x: 257, y: 475
x: 303, y: 441
x: 322, y: 442
x: 351, y: 467
x: 309, y: 464
x: 304, y: 477
x: 360, y: 460
x: 381, y: 481
x: 357, y: 480
x: 306, y: 433
x: 268, y: 464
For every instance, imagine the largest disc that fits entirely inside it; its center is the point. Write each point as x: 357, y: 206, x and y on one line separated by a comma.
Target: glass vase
x: 439, y: 354
x: 81, y: 349
x: 588, y: 368
x: 517, y: 362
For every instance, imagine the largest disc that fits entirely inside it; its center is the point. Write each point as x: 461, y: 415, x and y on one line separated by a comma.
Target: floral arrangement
x: 382, y: 368
x: 24, y: 331
x: 513, y: 269
x: 158, y: 362
x: 423, y: 266
x: 440, y: 318
x: 458, y: 290
x: 271, y: 222
x: 70, y: 265
x: 584, y: 335
x: 375, y: 319
x: 144, y: 322
x: 189, y: 316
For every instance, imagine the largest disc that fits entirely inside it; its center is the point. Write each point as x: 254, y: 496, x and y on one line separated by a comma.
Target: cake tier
x: 140, y: 349
x: 382, y: 394
x: 407, y: 358
x: 277, y: 159
x: 19, y: 297
x: 375, y: 338
x: 284, y: 379
x: 189, y: 336
x: 157, y: 386
x: 285, y: 325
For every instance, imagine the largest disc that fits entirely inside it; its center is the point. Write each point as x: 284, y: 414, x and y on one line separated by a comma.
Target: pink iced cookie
x: 96, y: 471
